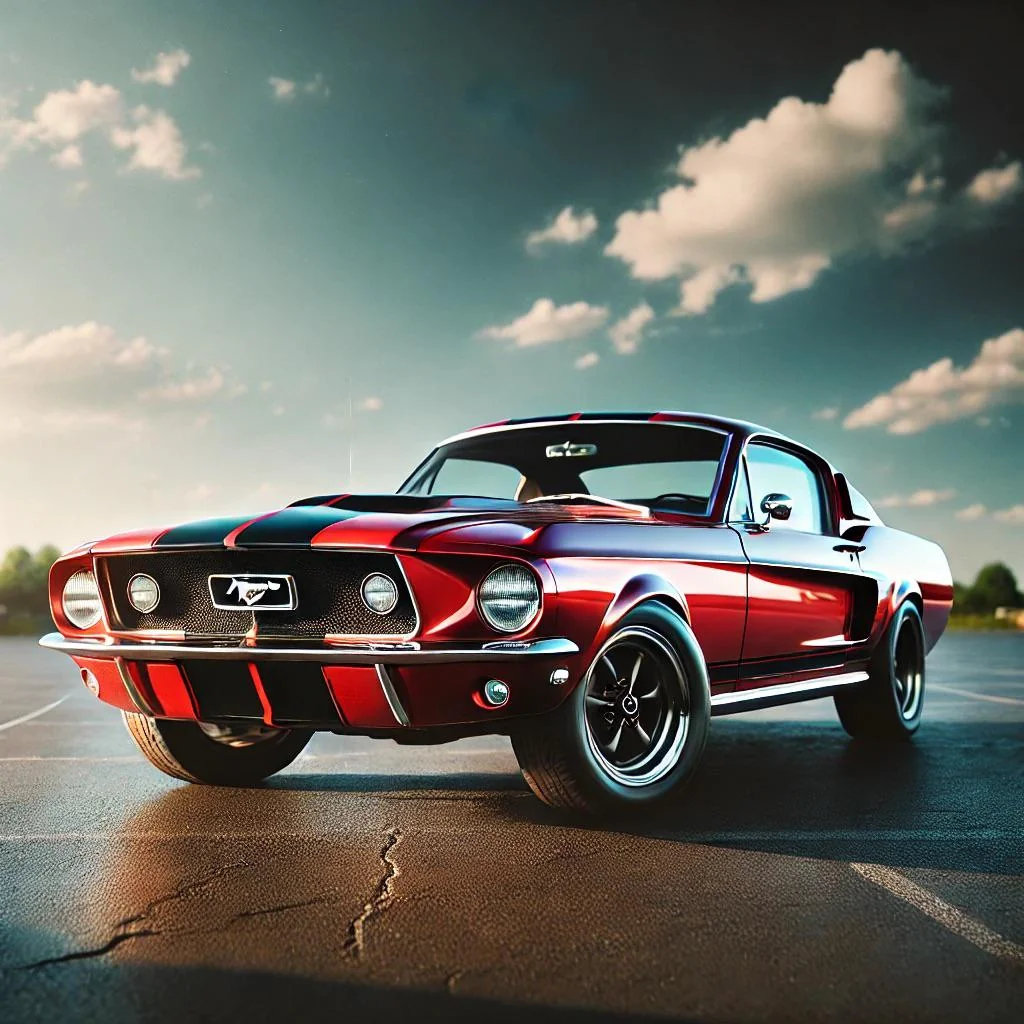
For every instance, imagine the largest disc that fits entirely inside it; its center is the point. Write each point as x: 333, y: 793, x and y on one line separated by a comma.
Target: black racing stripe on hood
x: 204, y: 533
x: 291, y: 527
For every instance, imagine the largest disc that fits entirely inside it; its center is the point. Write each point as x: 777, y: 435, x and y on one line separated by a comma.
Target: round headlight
x: 509, y: 597
x: 143, y: 592
x: 380, y: 593
x: 81, y: 600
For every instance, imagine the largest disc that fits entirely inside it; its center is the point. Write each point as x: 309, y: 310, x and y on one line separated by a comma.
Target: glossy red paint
x: 169, y: 689
x: 767, y: 606
x: 112, y: 689
x: 359, y: 698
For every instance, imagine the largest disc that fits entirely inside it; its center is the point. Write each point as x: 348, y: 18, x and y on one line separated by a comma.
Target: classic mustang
x: 594, y: 585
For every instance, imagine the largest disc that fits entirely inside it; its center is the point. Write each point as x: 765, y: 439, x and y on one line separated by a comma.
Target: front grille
x: 327, y: 586
x: 225, y: 691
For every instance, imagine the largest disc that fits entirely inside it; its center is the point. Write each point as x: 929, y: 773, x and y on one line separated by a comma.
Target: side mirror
x: 777, y: 506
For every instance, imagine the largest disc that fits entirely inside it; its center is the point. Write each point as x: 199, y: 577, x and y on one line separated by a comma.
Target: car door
x: 803, y: 578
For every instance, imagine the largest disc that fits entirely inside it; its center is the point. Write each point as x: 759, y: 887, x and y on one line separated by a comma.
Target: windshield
x: 654, y: 464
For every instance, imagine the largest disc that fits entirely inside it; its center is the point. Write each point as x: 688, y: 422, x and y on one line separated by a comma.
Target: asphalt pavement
x: 803, y: 876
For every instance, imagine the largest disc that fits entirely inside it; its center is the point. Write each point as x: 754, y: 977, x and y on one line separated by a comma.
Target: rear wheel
x: 888, y: 706
x: 634, y: 729
x: 220, y: 755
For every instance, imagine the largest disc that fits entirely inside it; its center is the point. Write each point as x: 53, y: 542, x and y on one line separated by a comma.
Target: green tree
x: 995, y: 587
x: 23, y: 581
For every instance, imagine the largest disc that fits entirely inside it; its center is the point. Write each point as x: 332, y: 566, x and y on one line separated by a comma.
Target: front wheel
x: 219, y: 755
x: 888, y: 706
x: 634, y: 729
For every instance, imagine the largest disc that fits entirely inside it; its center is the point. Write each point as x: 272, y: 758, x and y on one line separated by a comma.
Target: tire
x: 219, y: 757
x: 888, y: 706
x: 570, y: 756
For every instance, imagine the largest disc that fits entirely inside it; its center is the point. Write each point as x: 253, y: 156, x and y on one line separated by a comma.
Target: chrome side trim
x: 783, y: 693
x: 327, y: 654
x: 391, y: 696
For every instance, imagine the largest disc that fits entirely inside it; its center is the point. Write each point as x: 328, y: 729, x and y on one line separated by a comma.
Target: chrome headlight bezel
x: 390, y: 587
x: 521, y: 589
x: 142, y: 607
x: 80, y: 599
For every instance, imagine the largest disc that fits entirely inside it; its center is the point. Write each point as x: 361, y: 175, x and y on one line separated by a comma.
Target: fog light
x: 380, y: 593
x: 143, y: 592
x: 496, y: 693
x: 92, y: 684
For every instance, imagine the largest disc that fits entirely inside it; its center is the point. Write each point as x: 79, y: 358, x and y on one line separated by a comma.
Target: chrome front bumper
x: 409, y: 653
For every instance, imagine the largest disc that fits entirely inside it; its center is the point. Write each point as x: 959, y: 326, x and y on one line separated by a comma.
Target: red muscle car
x: 594, y: 585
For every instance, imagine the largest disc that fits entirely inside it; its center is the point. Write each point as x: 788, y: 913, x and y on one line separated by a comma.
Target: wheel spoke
x: 610, y: 668
x: 599, y: 702
x: 613, y: 744
x: 636, y: 670
x: 643, y: 735
x: 653, y: 692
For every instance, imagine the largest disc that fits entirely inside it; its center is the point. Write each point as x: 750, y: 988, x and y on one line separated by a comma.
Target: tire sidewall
x: 210, y: 760
x: 906, y: 616
x: 593, y: 777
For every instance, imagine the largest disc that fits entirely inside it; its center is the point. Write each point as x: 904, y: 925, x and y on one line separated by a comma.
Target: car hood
x: 398, y: 522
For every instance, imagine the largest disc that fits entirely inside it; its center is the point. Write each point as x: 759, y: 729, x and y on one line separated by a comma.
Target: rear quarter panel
x: 905, y: 565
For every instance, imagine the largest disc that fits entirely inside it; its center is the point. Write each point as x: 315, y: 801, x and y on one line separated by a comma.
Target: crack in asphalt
x: 123, y: 932
x: 382, y: 897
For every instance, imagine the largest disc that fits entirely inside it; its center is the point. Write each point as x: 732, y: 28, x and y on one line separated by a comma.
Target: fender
x: 647, y: 587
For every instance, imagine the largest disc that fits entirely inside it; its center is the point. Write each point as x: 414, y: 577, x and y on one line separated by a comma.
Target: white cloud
x: 996, y: 184
x: 1014, y: 515
x: 943, y: 392
x: 165, y: 70
x: 67, y: 158
x: 284, y: 88
x: 287, y: 89
x: 190, y: 389
x: 587, y: 360
x: 66, y: 116
x: 371, y: 404
x: 918, y: 499
x: 627, y: 332
x: 698, y: 293
x: 828, y: 412
x: 972, y: 513
x: 156, y: 145
x: 777, y: 202
x: 568, y: 228
x: 546, y: 322
x: 85, y: 376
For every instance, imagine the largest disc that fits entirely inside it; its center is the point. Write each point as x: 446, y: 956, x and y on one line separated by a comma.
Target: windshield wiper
x: 595, y: 498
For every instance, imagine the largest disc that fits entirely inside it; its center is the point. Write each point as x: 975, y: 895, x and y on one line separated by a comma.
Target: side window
x: 773, y: 470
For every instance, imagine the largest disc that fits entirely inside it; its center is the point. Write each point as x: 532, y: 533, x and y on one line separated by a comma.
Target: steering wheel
x: 679, y: 496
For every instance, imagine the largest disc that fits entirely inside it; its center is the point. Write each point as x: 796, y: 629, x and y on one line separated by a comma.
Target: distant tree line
x: 994, y: 587
x: 24, y: 605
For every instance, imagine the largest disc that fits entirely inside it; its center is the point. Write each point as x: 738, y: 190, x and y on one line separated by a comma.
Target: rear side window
x: 774, y: 471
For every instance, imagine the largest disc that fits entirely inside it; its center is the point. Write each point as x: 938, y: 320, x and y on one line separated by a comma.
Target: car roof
x: 740, y: 428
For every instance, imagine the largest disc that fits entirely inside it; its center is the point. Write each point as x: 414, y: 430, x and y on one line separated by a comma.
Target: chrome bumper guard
x: 408, y: 653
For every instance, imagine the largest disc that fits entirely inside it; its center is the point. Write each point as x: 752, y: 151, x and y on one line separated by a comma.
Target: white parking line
x: 942, y: 688
x: 32, y: 714
x: 939, y: 910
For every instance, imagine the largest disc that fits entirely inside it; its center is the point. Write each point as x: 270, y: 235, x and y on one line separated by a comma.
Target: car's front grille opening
x: 327, y: 586
x: 297, y: 693
x: 223, y: 690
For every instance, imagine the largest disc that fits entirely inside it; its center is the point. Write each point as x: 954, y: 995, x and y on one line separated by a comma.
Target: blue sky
x: 221, y: 222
